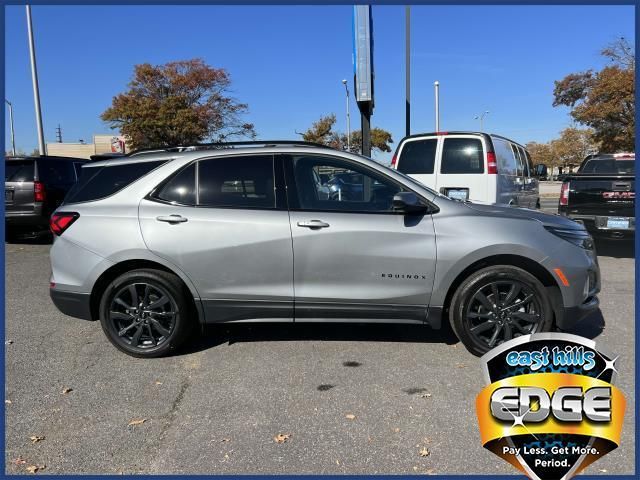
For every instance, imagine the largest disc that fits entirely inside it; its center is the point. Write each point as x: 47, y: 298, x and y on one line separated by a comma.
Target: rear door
x: 224, y: 222
x: 530, y: 183
x: 18, y: 186
x: 417, y: 158
x: 354, y: 257
x: 463, y: 167
x: 520, y: 194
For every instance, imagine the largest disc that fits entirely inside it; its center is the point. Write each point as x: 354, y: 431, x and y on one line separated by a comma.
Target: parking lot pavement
x: 353, y: 399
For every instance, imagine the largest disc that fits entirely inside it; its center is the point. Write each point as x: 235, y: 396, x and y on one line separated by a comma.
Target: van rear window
x: 18, y: 171
x: 100, y: 182
x: 462, y: 155
x: 418, y: 156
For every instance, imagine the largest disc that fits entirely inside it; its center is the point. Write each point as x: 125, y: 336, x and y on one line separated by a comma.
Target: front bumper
x: 74, y: 304
x: 571, y: 316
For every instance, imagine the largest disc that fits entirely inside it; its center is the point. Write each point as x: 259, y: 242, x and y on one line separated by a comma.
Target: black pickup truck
x: 601, y: 194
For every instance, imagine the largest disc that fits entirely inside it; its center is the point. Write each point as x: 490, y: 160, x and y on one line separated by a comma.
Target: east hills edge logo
x: 550, y: 407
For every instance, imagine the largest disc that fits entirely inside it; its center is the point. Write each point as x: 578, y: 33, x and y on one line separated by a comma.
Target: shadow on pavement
x: 15, y: 239
x: 590, y: 327
x: 267, y: 332
x: 623, y: 248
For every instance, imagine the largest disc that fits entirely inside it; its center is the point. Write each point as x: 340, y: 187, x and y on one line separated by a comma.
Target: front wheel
x: 145, y: 313
x: 496, y: 304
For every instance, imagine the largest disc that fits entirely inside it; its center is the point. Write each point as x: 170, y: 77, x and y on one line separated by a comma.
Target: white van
x: 480, y: 167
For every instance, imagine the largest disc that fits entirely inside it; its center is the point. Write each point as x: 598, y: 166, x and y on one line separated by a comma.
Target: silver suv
x: 156, y: 243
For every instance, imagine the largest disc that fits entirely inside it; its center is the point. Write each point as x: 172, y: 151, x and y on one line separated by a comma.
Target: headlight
x: 580, y: 238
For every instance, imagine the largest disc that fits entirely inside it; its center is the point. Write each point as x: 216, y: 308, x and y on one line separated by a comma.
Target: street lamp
x: 346, y: 89
x: 481, y: 118
x: 13, y: 137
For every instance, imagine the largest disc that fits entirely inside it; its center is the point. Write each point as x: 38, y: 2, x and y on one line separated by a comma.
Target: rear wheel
x: 145, y: 313
x: 496, y: 304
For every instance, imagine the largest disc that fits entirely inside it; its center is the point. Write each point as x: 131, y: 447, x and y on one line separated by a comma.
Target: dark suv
x: 33, y: 188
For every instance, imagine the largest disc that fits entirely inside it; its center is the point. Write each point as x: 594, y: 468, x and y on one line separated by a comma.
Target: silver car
x: 157, y: 243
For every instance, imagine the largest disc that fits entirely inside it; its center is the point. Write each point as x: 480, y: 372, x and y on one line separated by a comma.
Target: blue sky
x: 287, y: 62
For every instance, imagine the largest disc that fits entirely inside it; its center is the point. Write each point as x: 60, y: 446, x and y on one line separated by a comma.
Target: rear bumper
x: 74, y: 304
x: 25, y: 219
x: 597, y: 224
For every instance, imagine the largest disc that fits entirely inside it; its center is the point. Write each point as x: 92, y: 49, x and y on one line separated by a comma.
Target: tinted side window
x: 462, y: 155
x: 347, y: 187
x: 246, y: 181
x: 516, y: 154
x: 418, y: 156
x: 100, y: 182
x: 18, y: 171
x: 181, y: 188
x: 505, y: 158
x: 55, y: 171
x: 525, y: 162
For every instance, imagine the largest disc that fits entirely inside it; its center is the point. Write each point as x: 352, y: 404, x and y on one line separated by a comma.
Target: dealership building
x: 101, y: 144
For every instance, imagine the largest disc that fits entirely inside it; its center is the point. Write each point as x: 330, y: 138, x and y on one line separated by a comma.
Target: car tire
x: 523, y: 307
x: 156, y: 323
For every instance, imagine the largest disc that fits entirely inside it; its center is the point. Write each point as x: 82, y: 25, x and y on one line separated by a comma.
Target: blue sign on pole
x: 363, y: 57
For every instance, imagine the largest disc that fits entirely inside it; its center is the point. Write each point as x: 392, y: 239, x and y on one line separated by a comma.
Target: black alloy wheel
x: 496, y: 304
x: 145, y: 313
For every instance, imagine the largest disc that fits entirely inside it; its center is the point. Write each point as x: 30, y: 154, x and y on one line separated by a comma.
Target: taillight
x: 564, y: 194
x: 492, y: 166
x: 38, y: 192
x: 61, y: 221
x: 394, y: 161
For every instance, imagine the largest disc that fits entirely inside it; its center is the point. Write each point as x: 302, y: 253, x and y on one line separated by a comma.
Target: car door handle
x: 313, y: 224
x: 172, y: 218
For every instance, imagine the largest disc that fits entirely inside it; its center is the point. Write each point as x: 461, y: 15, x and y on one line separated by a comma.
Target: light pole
x: 34, y: 79
x: 481, y: 118
x: 13, y: 137
x: 346, y: 89
x: 436, y: 86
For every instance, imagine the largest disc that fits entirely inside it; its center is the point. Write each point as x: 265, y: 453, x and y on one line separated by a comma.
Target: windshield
x: 610, y: 166
x: 18, y: 171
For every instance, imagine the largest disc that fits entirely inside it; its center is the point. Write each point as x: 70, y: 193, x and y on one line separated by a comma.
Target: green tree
x: 604, y: 100
x: 178, y: 103
x: 321, y: 131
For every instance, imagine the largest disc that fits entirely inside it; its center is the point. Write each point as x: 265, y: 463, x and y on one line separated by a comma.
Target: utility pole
x: 59, y: 134
x: 407, y: 74
x: 13, y: 136
x: 436, y: 86
x: 34, y: 79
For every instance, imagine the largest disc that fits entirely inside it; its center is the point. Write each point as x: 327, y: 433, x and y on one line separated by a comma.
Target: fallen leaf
x: 158, y: 383
x: 415, y: 468
x: 35, y: 438
x: 397, y: 430
x: 8, y: 342
x: 337, y: 462
x: 460, y: 365
x: 137, y: 422
x: 35, y: 468
x: 226, y: 440
x: 19, y: 460
x: 430, y: 471
x: 424, y: 452
x: 602, y: 470
x: 66, y: 390
x: 8, y: 402
x: 350, y: 416
x: 425, y: 395
x: 282, y: 437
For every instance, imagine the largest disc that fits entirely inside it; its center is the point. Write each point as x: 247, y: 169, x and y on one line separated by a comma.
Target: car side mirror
x: 409, y: 202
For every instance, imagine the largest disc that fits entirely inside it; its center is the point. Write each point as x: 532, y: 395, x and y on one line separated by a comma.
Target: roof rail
x: 222, y: 145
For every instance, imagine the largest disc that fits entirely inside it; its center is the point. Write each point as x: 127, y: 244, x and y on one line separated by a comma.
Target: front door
x: 224, y: 222
x: 354, y: 258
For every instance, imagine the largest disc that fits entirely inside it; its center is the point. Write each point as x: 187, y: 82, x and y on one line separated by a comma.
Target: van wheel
x: 496, y: 304
x: 145, y: 313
